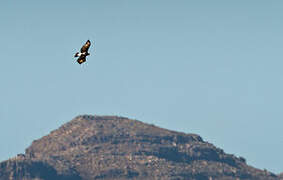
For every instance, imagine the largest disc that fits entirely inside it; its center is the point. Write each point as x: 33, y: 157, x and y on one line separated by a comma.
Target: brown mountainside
x: 110, y: 147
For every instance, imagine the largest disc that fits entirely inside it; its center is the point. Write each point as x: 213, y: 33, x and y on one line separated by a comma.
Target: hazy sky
x: 213, y: 68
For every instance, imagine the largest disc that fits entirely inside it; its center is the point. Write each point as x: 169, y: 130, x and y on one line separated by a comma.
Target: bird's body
x: 78, y: 54
x: 83, y: 53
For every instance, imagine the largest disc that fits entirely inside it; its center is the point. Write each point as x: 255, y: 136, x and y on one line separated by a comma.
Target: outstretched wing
x: 85, y: 47
x: 81, y: 59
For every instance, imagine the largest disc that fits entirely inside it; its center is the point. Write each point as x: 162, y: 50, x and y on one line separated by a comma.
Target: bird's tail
x: 77, y: 54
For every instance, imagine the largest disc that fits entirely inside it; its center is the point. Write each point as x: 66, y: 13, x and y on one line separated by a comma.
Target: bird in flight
x: 83, y: 53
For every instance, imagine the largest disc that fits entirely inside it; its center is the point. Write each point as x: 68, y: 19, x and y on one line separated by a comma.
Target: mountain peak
x: 112, y: 147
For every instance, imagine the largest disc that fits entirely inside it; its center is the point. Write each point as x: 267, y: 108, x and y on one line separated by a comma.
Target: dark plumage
x: 84, y: 53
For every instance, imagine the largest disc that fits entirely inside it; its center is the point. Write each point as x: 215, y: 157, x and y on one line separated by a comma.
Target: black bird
x: 84, y: 53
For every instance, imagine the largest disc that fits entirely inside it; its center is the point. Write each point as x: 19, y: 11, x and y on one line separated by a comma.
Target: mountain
x: 110, y: 147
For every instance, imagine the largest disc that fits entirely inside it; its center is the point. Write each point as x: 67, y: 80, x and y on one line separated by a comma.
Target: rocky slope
x: 110, y: 147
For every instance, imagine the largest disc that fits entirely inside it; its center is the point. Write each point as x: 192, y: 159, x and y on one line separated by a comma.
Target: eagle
x: 84, y: 53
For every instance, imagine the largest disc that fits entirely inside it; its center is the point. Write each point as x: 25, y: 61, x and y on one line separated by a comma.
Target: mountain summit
x: 110, y: 147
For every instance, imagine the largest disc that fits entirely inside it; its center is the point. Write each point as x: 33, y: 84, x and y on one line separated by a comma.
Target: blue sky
x: 213, y: 68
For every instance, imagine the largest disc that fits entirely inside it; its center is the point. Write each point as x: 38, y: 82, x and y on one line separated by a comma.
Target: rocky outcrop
x: 26, y: 169
x: 110, y: 147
